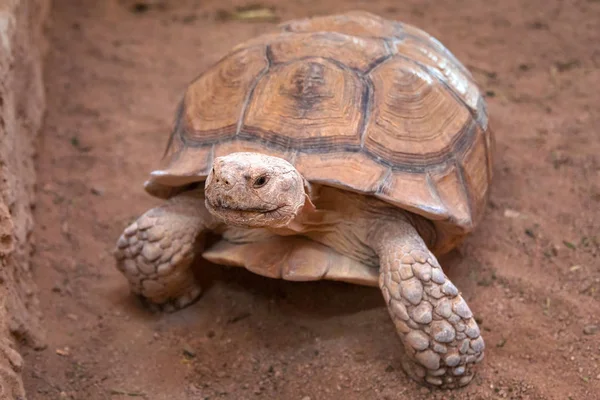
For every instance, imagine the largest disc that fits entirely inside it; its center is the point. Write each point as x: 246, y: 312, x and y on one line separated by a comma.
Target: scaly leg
x: 440, y: 335
x: 155, y: 252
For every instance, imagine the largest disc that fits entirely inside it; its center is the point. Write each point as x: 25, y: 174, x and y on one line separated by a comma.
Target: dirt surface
x: 531, y: 273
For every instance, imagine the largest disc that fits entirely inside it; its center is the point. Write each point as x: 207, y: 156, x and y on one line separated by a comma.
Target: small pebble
x: 72, y: 317
x: 508, y: 213
x: 63, y: 352
x: 97, y: 191
x: 591, y: 329
x: 188, y: 351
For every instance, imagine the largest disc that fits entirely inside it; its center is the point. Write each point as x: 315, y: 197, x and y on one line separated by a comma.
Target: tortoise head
x: 254, y: 190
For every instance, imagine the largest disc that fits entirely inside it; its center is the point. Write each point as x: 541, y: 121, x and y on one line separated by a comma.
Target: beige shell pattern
x: 353, y: 101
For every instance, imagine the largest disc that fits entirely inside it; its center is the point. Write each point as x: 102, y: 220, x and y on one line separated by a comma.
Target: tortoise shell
x: 353, y: 101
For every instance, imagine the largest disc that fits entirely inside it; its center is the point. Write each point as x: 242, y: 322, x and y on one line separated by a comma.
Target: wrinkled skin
x: 253, y: 190
x: 441, y: 338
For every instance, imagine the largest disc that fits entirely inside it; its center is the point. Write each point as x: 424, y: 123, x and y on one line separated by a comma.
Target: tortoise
x: 345, y: 147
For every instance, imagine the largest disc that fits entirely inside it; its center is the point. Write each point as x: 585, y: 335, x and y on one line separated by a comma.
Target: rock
x: 591, y: 329
x: 21, y: 111
x: 508, y: 213
x: 188, y: 351
x: 97, y: 191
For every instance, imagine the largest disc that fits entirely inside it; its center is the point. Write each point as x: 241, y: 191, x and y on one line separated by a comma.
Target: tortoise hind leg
x: 441, y: 338
x: 155, y: 252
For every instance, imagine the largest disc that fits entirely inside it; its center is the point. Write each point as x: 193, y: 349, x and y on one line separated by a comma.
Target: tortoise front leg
x: 155, y: 252
x: 441, y: 338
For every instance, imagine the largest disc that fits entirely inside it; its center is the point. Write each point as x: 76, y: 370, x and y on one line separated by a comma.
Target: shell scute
x: 306, y: 104
x: 214, y: 103
x: 414, y: 119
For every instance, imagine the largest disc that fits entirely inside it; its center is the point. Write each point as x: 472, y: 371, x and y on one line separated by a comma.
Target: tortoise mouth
x: 218, y: 206
x: 250, y: 217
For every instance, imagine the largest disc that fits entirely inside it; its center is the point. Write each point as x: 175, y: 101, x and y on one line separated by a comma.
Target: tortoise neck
x: 308, y: 218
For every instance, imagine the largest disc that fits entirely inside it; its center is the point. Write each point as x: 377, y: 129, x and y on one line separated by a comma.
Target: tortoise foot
x: 155, y: 253
x: 442, y: 341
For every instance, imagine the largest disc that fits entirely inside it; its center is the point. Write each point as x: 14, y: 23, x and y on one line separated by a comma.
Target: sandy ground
x: 531, y: 272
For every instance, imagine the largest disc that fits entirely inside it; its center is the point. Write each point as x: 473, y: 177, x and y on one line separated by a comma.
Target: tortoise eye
x: 260, y: 181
